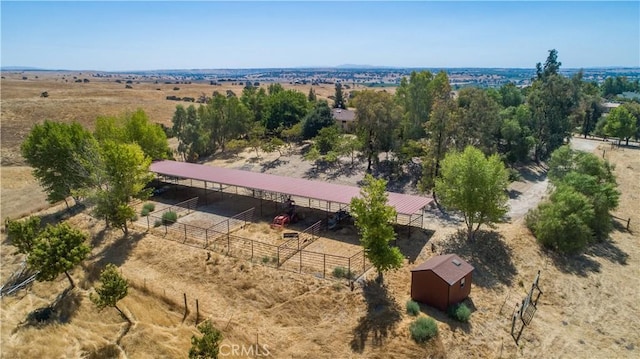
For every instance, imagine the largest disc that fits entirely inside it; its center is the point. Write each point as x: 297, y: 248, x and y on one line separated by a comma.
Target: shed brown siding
x: 459, y: 293
x: 428, y: 288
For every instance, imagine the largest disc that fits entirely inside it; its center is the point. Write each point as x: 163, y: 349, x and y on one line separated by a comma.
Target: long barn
x: 312, y: 194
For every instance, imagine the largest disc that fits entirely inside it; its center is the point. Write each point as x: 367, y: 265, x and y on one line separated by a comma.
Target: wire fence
x: 290, y: 255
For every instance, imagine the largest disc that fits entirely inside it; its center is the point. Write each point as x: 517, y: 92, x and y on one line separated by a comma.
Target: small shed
x: 441, y: 281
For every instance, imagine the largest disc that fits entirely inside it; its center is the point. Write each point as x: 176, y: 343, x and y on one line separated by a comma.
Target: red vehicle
x: 284, y: 219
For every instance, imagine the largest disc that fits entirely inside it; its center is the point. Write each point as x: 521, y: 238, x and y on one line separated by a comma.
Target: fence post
x: 628, y: 223
x: 324, y: 265
x: 185, y: 306
x: 185, y: 233
x: 148, y: 225
x: 349, y: 271
x: 252, y: 250
x: 197, y: 312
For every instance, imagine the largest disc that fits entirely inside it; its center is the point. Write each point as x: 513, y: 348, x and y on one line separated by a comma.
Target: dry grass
x: 588, y: 308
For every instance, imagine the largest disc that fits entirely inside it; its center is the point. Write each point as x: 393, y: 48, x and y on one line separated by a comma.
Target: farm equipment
x: 290, y: 216
x: 337, y: 218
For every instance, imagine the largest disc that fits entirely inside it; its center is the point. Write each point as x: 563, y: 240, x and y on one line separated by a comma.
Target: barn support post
x: 221, y: 194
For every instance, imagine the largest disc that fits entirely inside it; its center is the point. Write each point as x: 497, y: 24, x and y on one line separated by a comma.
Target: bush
x: 423, y: 329
x: 157, y: 223
x: 342, y: 272
x: 413, y: 308
x: 169, y: 217
x: 265, y: 259
x: 460, y: 312
x: 147, y: 208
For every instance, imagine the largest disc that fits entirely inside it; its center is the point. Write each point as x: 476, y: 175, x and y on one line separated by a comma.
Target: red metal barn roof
x: 403, y: 203
x: 449, y: 267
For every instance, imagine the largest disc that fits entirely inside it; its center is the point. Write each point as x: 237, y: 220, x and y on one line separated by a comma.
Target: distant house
x: 346, y: 119
x: 608, y: 106
x: 441, y: 281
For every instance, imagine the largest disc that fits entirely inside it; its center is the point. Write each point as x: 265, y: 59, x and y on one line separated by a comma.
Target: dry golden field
x: 588, y: 309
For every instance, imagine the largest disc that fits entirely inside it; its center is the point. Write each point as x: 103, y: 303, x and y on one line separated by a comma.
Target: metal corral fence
x: 289, y: 255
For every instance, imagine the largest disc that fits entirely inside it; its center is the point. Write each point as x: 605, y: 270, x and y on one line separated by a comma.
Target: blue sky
x: 120, y: 36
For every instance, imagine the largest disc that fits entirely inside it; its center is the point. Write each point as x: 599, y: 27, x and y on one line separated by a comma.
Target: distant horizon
x: 148, y: 36
x: 338, y: 67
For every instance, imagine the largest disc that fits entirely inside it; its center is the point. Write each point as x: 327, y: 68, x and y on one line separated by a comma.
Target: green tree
x: 563, y: 222
x: 440, y: 131
x: 284, y: 109
x: 478, y: 120
x: 415, y: 95
x: 58, y: 153
x: 592, y: 177
x: 373, y: 218
x: 551, y: 99
x: 225, y: 118
x: 339, y: 101
x: 255, y: 100
x: 474, y: 185
x: 510, y: 95
x: 189, y: 129
x: 377, y: 119
x: 551, y: 66
x: 620, y: 123
x: 312, y: 95
x: 208, y: 345
x: 57, y: 249
x: 23, y: 233
x: 113, y: 288
x: 328, y: 139
x: 125, y: 171
x: 134, y: 128
x: 317, y: 119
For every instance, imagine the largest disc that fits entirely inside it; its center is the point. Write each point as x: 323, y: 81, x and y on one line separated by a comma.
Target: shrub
x: 342, y: 272
x: 149, y: 206
x: 413, y: 308
x: 460, y: 312
x: 169, y: 217
x: 157, y: 223
x: 265, y: 259
x: 423, y: 329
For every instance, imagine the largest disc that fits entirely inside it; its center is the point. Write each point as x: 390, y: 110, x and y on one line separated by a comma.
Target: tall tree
x: 125, y: 171
x: 474, y: 185
x: 189, y: 129
x: 312, y: 95
x: 478, y: 120
x: 113, y: 288
x: 224, y: 119
x: 134, y: 128
x: 551, y: 66
x: 376, y: 123
x: 317, y: 119
x: 416, y: 98
x: 284, y: 109
x: 339, y: 101
x: 440, y: 130
x: 510, y: 95
x: 57, y: 249
x: 373, y: 218
x: 255, y: 100
x: 58, y: 154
